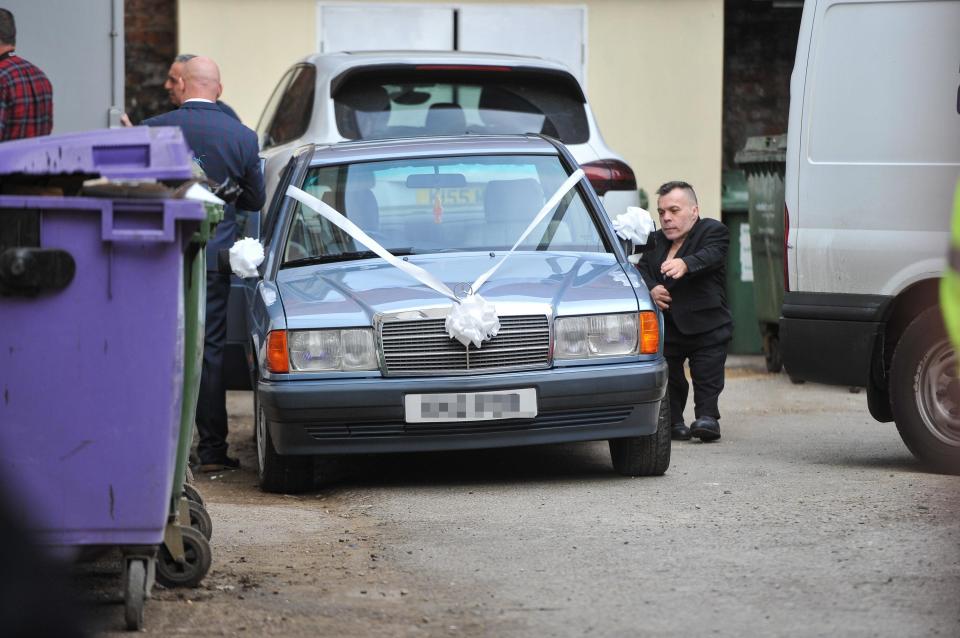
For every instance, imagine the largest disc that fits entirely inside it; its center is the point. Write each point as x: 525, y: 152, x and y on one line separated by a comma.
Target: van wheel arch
x: 904, y: 308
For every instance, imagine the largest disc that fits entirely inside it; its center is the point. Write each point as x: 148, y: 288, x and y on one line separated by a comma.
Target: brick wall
x: 150, y: 28
x: 760, y: 42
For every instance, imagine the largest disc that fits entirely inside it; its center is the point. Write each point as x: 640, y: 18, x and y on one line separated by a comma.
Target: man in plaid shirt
x: 26, y: 96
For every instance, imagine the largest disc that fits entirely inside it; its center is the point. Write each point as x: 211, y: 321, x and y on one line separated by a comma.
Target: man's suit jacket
x: 224, y: 148
x: 699, y: 297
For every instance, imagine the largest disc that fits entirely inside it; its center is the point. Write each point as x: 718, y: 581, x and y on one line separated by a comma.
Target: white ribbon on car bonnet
x: 472, y: 319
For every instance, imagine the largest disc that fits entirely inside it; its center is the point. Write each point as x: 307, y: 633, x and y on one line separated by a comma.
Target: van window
x: 380, y: 105
x: 290, y: 107
x: 883, y: 98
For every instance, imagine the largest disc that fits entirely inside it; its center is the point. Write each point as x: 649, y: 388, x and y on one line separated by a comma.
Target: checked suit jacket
x: 699, y: 297
x: 224, y: 148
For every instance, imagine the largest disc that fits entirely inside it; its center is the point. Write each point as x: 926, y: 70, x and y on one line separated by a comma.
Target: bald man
x: 224, y: 148
x: 174, y: 86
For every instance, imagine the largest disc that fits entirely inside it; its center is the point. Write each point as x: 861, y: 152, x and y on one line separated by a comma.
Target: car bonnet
x: 558, y: 283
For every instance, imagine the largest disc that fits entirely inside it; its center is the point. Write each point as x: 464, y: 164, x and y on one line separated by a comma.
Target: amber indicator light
x: 277, y: 358
x: 649, y: 333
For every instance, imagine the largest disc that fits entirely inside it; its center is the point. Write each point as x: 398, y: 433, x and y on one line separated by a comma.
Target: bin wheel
x: 200, y: 519
x: 771, y: 352
x: 135, y: 593
x: 196, y: 564
x: 192, y: 494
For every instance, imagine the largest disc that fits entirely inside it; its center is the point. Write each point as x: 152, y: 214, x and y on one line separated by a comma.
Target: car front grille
x: 549, y: 419
x: 422, y: 346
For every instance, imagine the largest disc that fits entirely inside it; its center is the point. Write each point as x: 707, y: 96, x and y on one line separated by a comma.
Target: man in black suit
x: 224, y: 148
x: 684, y: 267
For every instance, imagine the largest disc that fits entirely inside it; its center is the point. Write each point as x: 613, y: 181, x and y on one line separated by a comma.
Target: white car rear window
x: 413, y: 104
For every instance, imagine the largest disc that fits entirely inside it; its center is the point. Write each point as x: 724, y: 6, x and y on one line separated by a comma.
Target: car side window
x: 273, y: 212
x: 266, y: 118
x: 294, y: 107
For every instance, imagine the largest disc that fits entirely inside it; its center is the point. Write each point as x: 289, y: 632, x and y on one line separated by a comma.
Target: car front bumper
x: 351, y: 416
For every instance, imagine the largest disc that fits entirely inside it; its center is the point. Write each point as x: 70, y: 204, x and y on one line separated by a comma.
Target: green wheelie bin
x: 734, y: 210
x: 764, y: 161
x: 185, y: 556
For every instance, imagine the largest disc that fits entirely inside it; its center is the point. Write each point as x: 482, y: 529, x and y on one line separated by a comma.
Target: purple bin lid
x: 140, y: 152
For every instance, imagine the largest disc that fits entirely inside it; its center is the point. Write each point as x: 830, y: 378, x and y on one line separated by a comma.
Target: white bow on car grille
x: 470, y: 320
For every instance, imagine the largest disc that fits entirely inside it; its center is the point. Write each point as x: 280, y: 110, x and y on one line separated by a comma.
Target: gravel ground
x: 807, y: 519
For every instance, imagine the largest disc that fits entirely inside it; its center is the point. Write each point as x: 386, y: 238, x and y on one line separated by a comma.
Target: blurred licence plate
x: 471, y: 406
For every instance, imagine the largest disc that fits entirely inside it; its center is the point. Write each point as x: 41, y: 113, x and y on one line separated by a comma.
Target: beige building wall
x: 654, y: 73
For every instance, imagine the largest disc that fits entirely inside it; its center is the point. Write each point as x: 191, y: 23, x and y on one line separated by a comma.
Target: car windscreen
x: 442, y: 204
x: 412, y: 104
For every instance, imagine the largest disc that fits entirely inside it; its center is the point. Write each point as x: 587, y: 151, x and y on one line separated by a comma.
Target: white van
x: 873, y: 156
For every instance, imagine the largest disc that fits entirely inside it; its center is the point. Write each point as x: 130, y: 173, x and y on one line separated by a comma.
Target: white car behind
x: 334, y: 97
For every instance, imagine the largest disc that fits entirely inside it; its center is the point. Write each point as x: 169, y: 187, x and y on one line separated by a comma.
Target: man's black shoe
x: 706, y: 429
x: 226, y: 463
x: 679, y: 432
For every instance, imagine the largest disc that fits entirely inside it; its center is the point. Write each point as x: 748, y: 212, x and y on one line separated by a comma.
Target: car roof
x: 368, y: 150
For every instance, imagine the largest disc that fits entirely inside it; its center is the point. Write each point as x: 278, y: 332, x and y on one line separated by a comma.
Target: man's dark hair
x: 669, y: 186
x: 184, y: 57
x: 8, y: 28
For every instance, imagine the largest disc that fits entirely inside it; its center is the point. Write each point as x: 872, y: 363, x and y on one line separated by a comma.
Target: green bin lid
x: 763, y: 148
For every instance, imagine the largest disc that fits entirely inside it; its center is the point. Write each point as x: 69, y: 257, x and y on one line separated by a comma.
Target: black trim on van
x: 830, y: 338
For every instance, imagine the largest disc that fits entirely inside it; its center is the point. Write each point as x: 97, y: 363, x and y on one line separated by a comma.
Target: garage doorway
x: 555, y: 32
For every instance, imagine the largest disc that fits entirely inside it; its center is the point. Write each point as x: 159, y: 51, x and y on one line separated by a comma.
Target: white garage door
x: 360, y: 27
x: 556, y: 32
x: 552, y: 32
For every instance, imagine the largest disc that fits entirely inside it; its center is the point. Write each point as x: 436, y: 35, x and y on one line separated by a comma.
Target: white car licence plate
x: 471, y: 406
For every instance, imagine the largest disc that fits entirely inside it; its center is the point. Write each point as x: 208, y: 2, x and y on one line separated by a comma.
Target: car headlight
x: 605, y: 335
x: 323, y: 350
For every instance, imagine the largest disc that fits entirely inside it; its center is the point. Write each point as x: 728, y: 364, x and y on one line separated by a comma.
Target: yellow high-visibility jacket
x: 950, y: 283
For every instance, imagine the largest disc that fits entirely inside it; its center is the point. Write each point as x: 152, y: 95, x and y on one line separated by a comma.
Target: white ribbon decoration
x: 471, y: 320
x: 635, y: 224
x: 553, y: 201
x: 245, y: 255
x: 340, y: 221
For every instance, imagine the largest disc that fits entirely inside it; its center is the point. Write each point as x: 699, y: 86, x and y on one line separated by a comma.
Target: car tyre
x: 644, y: 455
x: 278, y: 473
x: 924, y: 386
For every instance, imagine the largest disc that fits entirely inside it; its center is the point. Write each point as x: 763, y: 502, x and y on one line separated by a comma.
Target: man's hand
x: 661, y: 297
x: 125, y: 120
x: 674, y: 268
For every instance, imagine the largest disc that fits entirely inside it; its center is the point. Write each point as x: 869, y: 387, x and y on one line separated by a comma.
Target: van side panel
x: 873, y: 153
x: 879, y: 145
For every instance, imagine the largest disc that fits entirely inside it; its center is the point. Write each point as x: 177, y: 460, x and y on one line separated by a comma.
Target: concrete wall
x: 654, y: 73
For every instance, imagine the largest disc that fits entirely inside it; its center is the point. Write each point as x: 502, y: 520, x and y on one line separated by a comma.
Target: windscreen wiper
x: 344, y: 256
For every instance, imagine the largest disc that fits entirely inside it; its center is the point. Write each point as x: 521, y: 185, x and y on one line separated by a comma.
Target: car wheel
x: 644, y: 455
x: 278, y: 473
x: 925, y: 392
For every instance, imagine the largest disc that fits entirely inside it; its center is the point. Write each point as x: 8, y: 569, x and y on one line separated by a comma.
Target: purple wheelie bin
x: 91, y: 341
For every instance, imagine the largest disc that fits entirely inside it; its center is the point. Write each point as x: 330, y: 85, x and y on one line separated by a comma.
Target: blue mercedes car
x: 350, y: 353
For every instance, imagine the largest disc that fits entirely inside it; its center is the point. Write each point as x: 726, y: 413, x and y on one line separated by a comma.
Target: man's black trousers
x: 212, y: 400
x: 707, y: 354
